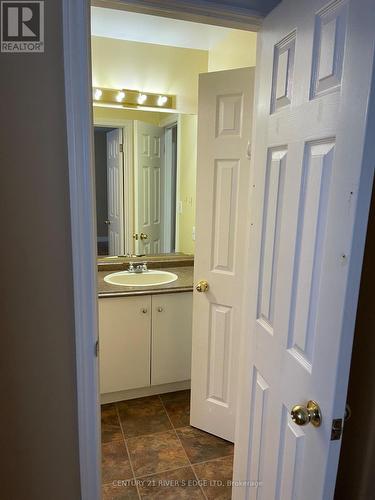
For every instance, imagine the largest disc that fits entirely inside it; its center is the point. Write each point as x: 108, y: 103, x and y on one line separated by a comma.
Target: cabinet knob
x: 160, y: 309
x: 144, y: 310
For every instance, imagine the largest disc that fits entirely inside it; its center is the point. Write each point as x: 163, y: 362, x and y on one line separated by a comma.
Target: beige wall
x: 105, y: 115
x: 187, y: 180
x: 38, y: 420
x: 237, y: 50
x: 148, y: 67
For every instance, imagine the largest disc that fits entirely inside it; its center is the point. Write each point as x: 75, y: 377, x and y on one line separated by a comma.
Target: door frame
x: 79, y: 122
x: 170, y: 174
x: 127, y: 174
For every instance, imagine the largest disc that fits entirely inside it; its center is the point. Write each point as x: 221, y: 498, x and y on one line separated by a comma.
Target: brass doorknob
x: 107, y: 222
x: 309, y: 414
x: 143, y: 236
x: 135, y: 236
x: 202, y: 286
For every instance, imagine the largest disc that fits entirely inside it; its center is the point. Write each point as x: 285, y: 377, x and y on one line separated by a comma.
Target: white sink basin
x: 147, y: 278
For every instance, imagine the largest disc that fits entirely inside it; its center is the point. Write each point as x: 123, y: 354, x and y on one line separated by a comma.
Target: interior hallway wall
x: 38, y: 421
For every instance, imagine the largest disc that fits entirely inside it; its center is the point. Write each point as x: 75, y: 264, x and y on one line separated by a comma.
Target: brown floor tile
x: 215, y: 476
x: 111, y: 430
x: 143, y: 416
x: 201, y: 446
x: 119, y: 492
x: 177, y: 405
x: 156, y: 453
x: 171, y: 485
x: 115, y: 462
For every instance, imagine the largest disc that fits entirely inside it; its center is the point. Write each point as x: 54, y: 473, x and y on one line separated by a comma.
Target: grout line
x: 127, y: 451
x: 182, y: 446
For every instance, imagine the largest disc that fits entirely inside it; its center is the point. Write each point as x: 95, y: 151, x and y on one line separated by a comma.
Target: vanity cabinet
x: 144, y: 341
x: 124, y: 340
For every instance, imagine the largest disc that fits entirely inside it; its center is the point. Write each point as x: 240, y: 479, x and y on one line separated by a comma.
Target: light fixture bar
x: 132, y: 98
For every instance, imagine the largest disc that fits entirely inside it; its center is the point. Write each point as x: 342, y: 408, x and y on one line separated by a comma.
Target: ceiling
x: 259, y: 6
x: 136, y: 27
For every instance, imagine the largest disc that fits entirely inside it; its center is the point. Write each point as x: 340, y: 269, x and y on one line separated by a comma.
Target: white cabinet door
x: 125, y: 334
x: 171, y: 337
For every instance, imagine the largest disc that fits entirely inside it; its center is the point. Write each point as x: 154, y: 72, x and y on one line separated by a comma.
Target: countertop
x: 184, y: 283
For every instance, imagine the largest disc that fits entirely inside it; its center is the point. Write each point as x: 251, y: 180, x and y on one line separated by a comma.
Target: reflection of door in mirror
x: 115, y: 219
x: 149, y: 188
x: 136, y: 175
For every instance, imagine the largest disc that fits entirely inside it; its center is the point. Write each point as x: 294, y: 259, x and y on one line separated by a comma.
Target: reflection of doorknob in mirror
x: 303, y: 415
x: 202, y: 286
x: 143, y: 236
x: 135, y: 236
x: 107, y: 222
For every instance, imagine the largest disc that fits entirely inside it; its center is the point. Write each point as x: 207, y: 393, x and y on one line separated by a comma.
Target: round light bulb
x: 162, y: 99
x: 97, y: 94
x: 120, y: 96
x: 142, y: 98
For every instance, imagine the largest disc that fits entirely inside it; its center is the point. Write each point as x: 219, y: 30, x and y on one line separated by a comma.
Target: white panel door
x: 171, y: 337
x: 115, y: 220
x: 224, y: 131
x: 309, y: 204
x: 149, y: 187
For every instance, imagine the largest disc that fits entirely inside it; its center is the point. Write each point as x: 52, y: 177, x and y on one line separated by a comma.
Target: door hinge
x: 121, y: 148
x: 336, y: 430
x: 97, y: 348
x: 338, y: 424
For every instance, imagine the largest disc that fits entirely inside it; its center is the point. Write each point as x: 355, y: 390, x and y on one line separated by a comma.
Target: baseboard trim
x: 113, y: 397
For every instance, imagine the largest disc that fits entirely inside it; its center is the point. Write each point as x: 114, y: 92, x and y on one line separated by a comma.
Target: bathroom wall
x: 148, y: 67
x: 237, y: 50
x: 158, y: 68
x: 38, y: 421
x: 187, y: 139
x: 105, y: 115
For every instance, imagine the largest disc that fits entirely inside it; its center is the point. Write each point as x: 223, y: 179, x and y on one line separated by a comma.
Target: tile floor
x: 149, y: 451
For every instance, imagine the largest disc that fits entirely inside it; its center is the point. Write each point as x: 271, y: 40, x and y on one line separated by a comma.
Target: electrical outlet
x: 193, y: 233
x: 179, y: 207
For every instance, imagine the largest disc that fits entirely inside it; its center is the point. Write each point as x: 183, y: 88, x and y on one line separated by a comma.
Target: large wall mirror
x: 145, y: 168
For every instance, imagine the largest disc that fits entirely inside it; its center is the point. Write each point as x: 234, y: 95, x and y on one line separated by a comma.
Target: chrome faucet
x: 140, y: 268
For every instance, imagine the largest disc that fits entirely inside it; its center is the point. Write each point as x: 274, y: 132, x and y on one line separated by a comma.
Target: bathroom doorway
x: 145, y: 334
